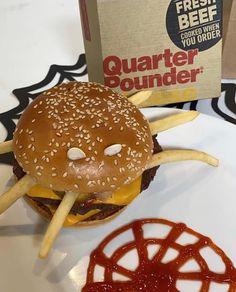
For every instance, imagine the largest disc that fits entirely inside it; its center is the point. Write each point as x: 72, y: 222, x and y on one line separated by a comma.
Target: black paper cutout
x: 180, y: 105
x: 230, y: 92
x: 74, y: 72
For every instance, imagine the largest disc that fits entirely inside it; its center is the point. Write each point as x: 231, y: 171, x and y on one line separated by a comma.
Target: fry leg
x: 6, y: 147
x: 57, y: 223
x: 172, y: 121
x: 168, y: 156
x: 17, y: 191
x: 138, y: 98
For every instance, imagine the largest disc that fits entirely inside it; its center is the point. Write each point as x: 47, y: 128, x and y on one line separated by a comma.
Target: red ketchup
x: 153, y: 275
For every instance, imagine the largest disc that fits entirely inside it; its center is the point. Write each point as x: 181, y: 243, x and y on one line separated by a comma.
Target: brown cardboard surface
x: 227, y: 5
x: 92, y: 42
x: 229, y: 55
x: 133, y: 30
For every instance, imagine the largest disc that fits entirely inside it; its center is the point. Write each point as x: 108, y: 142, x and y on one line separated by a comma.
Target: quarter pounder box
x: 172, y: 48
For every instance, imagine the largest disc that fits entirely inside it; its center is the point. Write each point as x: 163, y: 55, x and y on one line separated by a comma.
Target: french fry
x: 17, y: 191
x: 168, y: 156
x: 172, y: 121
x: 138, y: 98
x: 56, y: 223
x: 6, y: 147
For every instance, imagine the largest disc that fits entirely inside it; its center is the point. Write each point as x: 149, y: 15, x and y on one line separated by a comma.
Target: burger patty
x: 82, y: 208
x: 148, y: 175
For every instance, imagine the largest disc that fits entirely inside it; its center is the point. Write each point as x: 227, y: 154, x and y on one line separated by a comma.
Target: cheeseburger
x: 83, y: 152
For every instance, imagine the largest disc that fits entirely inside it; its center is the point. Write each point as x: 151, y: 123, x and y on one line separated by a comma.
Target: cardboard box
x: 229, y: 40
x: 171, y: 47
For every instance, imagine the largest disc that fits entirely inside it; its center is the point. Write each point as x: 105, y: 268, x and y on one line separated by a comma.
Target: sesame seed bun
x: 82, y: 137
x: 45, y: 209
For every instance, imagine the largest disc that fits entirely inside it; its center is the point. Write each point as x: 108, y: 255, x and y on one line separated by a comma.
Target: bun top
x: 82, y: 137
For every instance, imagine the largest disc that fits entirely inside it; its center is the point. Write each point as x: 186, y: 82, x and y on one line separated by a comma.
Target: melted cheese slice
x: 123, y: 196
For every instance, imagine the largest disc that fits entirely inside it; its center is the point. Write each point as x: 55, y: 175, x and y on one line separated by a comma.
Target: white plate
x: 191, y: 192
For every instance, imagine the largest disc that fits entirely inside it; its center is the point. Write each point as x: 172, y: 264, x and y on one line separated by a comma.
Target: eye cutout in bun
x: 82, y: 137
x: 112, y: 150
x: 75, y: 153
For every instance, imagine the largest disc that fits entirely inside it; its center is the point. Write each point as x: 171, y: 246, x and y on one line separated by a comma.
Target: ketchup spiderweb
x: 156, y: 275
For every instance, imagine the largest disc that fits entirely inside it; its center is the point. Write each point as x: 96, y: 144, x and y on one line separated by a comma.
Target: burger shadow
x: 72, y: 253
x: 21, y: 230
x: 80, y: 246
x: 75, y: 247
x: 74, y: 250
x: 34, y: 229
